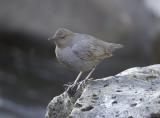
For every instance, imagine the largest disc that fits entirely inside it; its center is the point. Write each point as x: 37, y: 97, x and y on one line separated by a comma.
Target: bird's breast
x: 70, y: 59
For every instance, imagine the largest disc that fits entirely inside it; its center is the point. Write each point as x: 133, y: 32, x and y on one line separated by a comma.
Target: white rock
x: 134, y: 93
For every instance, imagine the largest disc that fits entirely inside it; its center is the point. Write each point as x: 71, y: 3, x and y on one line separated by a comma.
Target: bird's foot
x: 71, y: 89
x: 67, y: 85
x: 83, y: 83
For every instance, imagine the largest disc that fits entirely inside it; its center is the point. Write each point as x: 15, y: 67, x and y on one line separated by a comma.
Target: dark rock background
x: 29, y: 73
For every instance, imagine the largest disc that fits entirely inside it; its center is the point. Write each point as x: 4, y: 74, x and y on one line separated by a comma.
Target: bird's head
x: 61, y: 36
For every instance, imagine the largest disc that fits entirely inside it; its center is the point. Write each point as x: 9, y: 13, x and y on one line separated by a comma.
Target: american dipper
x: 81, y: 52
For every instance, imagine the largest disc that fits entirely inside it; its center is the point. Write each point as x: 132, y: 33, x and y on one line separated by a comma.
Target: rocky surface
x: 134, y: 93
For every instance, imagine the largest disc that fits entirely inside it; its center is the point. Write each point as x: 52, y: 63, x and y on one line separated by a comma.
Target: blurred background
x: 30, y: 75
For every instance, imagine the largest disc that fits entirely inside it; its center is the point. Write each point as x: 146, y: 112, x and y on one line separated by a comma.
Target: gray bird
x: 81, y: 52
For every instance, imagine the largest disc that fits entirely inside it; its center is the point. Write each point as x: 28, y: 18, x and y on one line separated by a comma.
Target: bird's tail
x: 114, y: 46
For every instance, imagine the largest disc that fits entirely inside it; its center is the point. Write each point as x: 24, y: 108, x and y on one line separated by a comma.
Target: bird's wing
x: 91, y: 49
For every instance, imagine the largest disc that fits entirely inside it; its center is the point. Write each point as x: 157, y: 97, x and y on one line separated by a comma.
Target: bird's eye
x: 62, y: 37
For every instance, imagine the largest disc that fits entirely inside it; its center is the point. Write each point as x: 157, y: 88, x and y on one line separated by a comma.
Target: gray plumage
x: 81, y: 52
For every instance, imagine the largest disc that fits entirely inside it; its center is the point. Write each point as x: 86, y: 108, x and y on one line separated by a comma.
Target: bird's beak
x: 51, y: 38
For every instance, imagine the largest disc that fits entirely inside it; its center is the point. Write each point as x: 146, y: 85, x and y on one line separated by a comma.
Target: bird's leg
x: 90, y: 73
x: 71, y: 89
x: 76, y: 81
x: 84, y: 81
x: 78, y: 77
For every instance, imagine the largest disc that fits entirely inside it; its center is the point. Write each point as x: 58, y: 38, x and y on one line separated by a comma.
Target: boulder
x: 133, y: 93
